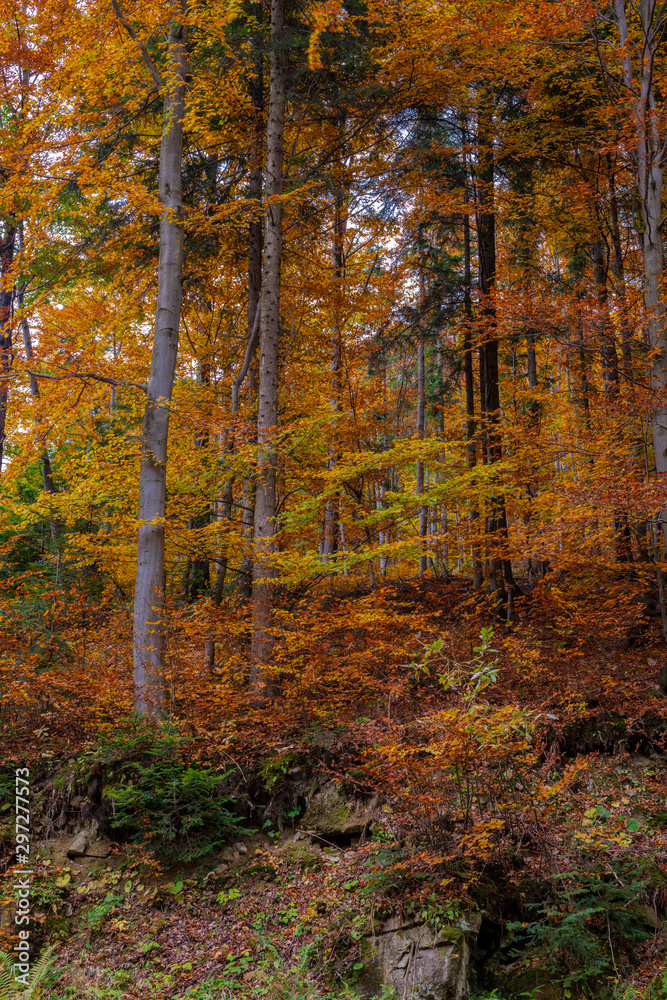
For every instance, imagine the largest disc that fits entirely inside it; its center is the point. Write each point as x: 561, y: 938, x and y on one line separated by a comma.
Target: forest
x: 333, y: 510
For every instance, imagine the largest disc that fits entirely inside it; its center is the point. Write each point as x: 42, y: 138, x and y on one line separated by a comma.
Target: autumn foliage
x: 464, y: 341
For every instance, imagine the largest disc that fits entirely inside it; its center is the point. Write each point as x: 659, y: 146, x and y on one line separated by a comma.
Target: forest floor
x: 538, y: 801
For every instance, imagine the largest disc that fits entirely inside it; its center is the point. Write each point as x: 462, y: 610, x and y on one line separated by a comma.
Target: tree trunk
x: 267, y: 409
x: 531, y: 377
x: 331, y: 514
x: 471, y: 425
x: 622, y: 537
x: 197, y: 574
x: 607, y: 343
x: 150, y: 683
x: 421, y: 398
x: 649, y: 185
x: 228, y: 496
x: 6, y: 355
x: 255, y: 235
x: 255, y: 243
x: 439, y: 525
x: 618, y: 271
x: 47, y: 471
x: 255, y: 247
x: 489, y: 389
x: 421, y: 414
x: 330, y: 540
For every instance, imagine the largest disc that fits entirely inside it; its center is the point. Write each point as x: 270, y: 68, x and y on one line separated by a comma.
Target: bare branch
x: 150, y: 65
x: 250, y: 350
x: 89, y: 378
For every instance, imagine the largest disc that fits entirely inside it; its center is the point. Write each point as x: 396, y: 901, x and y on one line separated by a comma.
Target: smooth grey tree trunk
x: 267, y: 404
x: 649, y: 185
x: 6, y: 300
x: 618, y: 271
x: 150, y: 682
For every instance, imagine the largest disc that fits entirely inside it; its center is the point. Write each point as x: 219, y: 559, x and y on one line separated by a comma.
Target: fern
x: 10, y: 989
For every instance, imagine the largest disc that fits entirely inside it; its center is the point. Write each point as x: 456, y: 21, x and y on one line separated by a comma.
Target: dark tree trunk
x: 47, y: 471
x: 331, y: 513
x: 469, y: 375
x: 607, y: 341
x: 501, y: 577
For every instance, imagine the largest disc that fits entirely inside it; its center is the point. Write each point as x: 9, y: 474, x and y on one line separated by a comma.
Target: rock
x: 77, y: 801
x: 416, y: 961
x: 79, y: 845
x: 221, y: 868
x: 330, y: 814
x: 98, y: 849
x: 241, y: 848
x: 536, y: 983
x: 650, y: 914
x: 87, y: 844
x: 227, y: 854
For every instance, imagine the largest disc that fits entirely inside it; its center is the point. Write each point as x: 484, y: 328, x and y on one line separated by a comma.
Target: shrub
x: 180, y: 810
x: 591, y: 916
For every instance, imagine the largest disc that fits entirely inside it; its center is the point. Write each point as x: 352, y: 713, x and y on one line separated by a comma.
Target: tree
x: 149, y: 643
x: 269, y: 353
x: 638, y: 94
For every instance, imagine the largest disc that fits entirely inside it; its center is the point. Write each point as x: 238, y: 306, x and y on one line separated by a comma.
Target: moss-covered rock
x: 536, y: 983
x: 331, y: 814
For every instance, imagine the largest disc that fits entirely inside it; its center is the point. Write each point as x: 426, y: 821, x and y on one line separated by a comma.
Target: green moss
x: 534, y: 983
x: 326, y: 815
x: 449, y: 934
x: 274, y: 769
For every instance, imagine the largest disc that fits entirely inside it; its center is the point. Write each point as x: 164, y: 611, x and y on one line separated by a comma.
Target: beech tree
x: 421, y: 369
x: 269, y: 353
x: 149, y: 642
x: 639, y: 55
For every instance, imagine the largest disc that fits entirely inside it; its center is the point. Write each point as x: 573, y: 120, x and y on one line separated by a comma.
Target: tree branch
x: 150, y: 65
x: 250, y: 350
